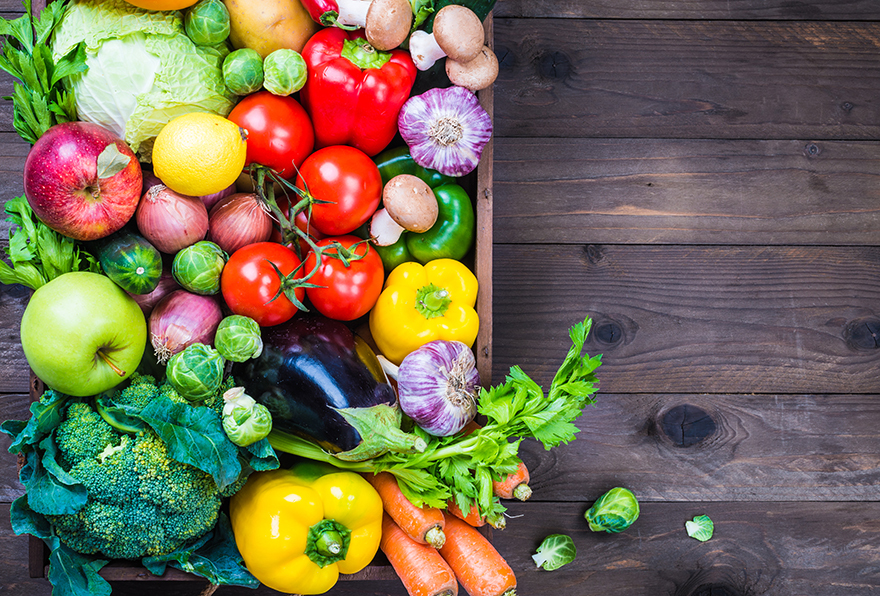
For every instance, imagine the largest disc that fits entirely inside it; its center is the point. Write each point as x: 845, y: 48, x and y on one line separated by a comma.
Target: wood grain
x: 769, y: 448
x: 672, y: 191
x: 685, y: 79
x: 784, y: 549
x: 679, y: 319
x: 825, y: 10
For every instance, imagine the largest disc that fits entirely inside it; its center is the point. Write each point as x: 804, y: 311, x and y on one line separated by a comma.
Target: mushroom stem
x: 353, y: 13
x: 424, y: 49
x: 458, y: 33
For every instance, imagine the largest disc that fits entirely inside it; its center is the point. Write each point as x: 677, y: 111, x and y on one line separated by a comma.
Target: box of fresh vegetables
x: 258, y: 235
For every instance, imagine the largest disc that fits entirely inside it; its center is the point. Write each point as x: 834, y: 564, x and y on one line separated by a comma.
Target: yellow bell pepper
x: 297, y: 529
x: 423, y: 303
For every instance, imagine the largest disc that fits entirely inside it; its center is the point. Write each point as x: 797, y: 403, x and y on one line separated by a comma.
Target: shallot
x: 181, y: 319
x: 238, y: 220
x: 170, y: 220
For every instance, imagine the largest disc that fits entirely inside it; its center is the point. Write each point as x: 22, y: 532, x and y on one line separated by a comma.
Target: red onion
x: 166, y: 285
x: 238, y: 220
x: 182, y: 319
x: 213, y: 199
x: 438, y: 385
x: 170, y: 220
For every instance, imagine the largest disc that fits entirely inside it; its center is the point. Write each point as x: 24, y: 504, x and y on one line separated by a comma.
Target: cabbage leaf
x: 142, y: 69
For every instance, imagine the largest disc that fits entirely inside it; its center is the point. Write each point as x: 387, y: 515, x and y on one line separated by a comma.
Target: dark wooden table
x: 702, y: 178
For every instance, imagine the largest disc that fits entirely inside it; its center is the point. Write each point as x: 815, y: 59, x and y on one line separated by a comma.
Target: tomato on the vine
x: 252, y: 287
x: 280, y: 134
x: 350, y: 277
x: 301, y: 221
x: 348, y: 180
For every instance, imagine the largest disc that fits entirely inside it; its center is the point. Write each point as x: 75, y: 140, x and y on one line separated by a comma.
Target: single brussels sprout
x: 238, y: 338
x: 555, y: 551
x: 244, y: 420
x: 701, y: 528
x: 614, y: 512
x: 284, y: 72
x: 207, y: 23
x: 197, y: 267
x: 196, y: 372
x: 243, y: 71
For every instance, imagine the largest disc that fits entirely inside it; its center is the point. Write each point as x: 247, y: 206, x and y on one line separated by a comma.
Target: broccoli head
x: 141, y: 501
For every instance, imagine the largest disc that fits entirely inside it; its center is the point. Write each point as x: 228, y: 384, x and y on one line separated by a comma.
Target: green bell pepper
x: 452, y: 236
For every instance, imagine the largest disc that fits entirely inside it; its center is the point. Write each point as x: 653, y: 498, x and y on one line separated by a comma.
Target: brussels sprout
x: 555, y: 551
x: 701, y: 528
x: 614, y: 512
x: 196, y: 372
x: 197, y: 267
x: 238, y: 338
x: 243, y: 71
x: 284, y: 72
x: 244, y: 420
x: 207, y: 23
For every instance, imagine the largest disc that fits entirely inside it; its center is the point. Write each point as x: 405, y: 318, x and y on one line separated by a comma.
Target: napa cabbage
x: 143, y: 70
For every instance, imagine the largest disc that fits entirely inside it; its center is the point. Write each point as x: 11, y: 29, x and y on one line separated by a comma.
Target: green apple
x: 82, y: 334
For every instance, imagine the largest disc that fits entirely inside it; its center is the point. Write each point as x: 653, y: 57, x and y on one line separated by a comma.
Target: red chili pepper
x: 354, y: 92
x: 324, y: 12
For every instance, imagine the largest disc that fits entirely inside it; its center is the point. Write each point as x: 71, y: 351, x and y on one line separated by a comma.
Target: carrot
x: 515, y: 486
x: 480, y: 569
x: 420, y: 567
x: 422, y: 524
x: 473, y: 516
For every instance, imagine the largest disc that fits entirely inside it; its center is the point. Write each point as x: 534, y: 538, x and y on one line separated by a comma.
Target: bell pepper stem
x: 432, y: 301
x: 327, y: 542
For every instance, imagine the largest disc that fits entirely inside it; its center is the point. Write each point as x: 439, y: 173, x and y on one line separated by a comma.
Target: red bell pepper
x: 354, y: 92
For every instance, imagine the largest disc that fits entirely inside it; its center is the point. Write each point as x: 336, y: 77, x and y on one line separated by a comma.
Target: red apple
x: 82, y: 181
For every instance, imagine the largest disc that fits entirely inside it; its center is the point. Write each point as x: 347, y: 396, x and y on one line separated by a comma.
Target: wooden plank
x: 658, y: 191
x: 784, y: 549
x: 813, y: 10
x: 681, y: 319
x: 686, y: 79
x: 669, y: 447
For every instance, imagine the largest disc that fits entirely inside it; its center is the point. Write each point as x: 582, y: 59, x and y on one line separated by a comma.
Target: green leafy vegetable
x: 700, y: 528
x: 39, y: 100
x: 555, y: 551
x: 463, y: 466
x: 614, y: 512
x: 37, y: 253
x: 173, y: 75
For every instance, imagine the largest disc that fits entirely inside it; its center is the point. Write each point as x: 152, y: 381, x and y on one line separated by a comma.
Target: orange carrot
x: 473, y: 516
x: 515, y: 486
x: 422, y: 524
x: 420, y: 567
x: 480, y: 569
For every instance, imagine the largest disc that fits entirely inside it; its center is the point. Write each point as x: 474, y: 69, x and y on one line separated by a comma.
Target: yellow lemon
x: 199, y: 153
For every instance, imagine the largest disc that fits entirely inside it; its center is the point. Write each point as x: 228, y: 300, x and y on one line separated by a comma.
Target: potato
x: 268, y: 25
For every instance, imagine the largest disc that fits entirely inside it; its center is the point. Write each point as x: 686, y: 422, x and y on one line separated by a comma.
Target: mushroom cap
x: 459, y: 32
x: 410, y: 202
x: 388, y: 23
x: 477, y: 74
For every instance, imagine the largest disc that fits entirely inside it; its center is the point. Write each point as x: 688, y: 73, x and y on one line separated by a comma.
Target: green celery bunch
x: 39, y: 100
x: 463, y: 466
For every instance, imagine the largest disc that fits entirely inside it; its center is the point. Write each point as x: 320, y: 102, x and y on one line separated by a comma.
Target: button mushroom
x: 408, y: 204
x: 386, y: 23
x: 458, y: 34
x: 477, y: 74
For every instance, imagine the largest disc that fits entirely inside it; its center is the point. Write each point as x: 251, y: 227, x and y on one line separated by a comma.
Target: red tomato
x: 346, y: 292
x: 349, y: 180
x: 279, y: 132
x: 249, y: 283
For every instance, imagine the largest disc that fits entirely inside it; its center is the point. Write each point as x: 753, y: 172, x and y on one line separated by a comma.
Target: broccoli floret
x: 141, y: 501
x: 140, y: 391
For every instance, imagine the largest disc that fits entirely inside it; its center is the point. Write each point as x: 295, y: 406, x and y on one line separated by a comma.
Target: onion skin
x: 238, y: 220
x: 181, y: 319
x: 213, y: 199
x: 170, y: 220
x: 438, y: 385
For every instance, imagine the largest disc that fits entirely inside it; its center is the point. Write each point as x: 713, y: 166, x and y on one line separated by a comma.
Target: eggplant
x: 321, y: 381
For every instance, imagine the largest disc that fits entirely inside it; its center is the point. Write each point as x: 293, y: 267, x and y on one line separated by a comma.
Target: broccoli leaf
x: 75, y: 574
x: 218, y: 560
x: 195, y: 436
x: 56, y: 491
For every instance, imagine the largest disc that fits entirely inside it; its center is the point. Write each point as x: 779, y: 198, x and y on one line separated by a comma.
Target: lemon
x: 199, y: 153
